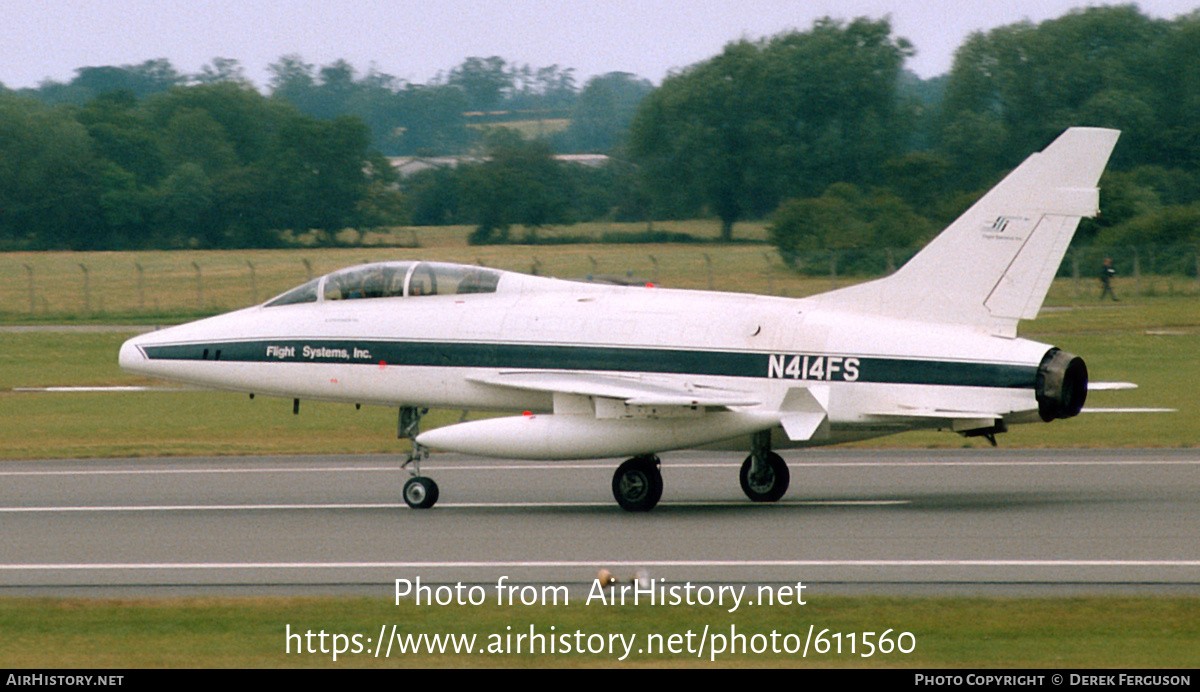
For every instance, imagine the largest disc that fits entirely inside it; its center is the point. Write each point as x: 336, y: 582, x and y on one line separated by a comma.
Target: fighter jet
x: 603, y: 371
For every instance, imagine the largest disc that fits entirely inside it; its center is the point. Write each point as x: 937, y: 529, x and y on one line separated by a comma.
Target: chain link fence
x: 137, y: 286
x: 1144, y: 270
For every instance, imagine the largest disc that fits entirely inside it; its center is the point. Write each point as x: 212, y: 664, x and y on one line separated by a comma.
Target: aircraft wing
x: 633, y: 391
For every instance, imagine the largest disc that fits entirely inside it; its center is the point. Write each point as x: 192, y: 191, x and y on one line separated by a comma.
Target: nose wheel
x: 637, y: 484
x: 420, y: 492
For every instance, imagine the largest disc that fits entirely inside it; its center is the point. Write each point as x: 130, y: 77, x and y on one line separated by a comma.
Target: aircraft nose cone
x: 131, y: 357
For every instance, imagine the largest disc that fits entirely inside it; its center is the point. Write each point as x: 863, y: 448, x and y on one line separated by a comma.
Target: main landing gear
x: 637, y: 484
x: 768, y: 482
x: 420, y: 492
x: 764, y: 475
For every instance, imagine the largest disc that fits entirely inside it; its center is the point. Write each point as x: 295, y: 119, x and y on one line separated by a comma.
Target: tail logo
x: 996, y: 229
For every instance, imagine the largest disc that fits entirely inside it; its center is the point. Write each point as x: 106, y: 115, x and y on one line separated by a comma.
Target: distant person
x: 1107, y: 273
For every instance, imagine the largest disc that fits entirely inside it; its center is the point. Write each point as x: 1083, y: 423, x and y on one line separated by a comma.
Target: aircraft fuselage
x: 437, y: 351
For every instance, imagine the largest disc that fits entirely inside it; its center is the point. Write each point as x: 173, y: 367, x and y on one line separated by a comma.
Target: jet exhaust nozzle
x: 1062, y: 385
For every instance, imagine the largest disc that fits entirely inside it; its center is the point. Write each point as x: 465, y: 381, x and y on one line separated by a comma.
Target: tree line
x: 403, y: 118
x: 825, y: 133
x: 205, y: 166
x: 822, y: 131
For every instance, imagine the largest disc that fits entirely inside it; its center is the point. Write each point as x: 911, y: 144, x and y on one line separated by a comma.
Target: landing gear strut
x: 420, y: 492
x: 637, y: 485
x: 764, y: 474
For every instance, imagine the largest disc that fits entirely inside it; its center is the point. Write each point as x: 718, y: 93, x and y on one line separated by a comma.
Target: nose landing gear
x: 419, y: 492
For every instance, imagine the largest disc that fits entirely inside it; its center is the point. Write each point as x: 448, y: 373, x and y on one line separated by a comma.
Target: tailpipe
x: 1062, y: 385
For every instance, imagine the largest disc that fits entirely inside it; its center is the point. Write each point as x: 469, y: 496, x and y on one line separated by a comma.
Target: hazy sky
x: 416, y: 39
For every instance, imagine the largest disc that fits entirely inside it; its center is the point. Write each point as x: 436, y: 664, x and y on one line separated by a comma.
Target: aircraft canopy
x: 393, y: 280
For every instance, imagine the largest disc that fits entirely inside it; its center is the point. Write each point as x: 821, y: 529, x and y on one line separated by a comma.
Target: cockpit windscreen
x: 393, y: 280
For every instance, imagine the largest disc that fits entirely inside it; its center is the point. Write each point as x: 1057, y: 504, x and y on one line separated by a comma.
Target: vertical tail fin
x: 993, y: 265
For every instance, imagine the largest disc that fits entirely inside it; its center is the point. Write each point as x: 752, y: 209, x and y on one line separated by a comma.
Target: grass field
x: 1117, y: 632
x: 169, y: 286
x: 60, y: 425
x: 144, y: 286
x: 1150, y: 338
x: 1151, y: 341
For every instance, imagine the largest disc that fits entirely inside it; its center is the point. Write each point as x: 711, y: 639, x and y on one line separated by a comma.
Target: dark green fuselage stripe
x: 804, y: 367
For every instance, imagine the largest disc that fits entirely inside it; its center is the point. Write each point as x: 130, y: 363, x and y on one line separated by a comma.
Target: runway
x: 977, y: 520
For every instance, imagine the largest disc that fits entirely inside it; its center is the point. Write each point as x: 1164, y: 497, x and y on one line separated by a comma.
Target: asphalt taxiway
x: 904, y: 521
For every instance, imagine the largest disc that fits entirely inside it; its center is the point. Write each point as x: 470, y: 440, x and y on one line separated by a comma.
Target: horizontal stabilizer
x: 1129, y: 410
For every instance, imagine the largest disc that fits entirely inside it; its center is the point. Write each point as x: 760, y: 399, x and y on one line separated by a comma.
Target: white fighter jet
x: 601, y: 371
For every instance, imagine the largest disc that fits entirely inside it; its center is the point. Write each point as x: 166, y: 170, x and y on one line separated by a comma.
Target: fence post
x: 654, y: 263
x: 253, y: 284
x: 1150, y: 266
x: 141, y: 283
x: 199, y: 286
x: 1075, y: 271
x: 32, y: 301
x: 1137, y: 271
x: 708, y: 262
x: 87, y: 289
x: 307, y: 270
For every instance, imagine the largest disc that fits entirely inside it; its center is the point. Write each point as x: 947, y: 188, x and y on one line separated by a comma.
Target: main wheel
x: 637, y: 484
x: 420, y: 492
x: 770, y: 483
